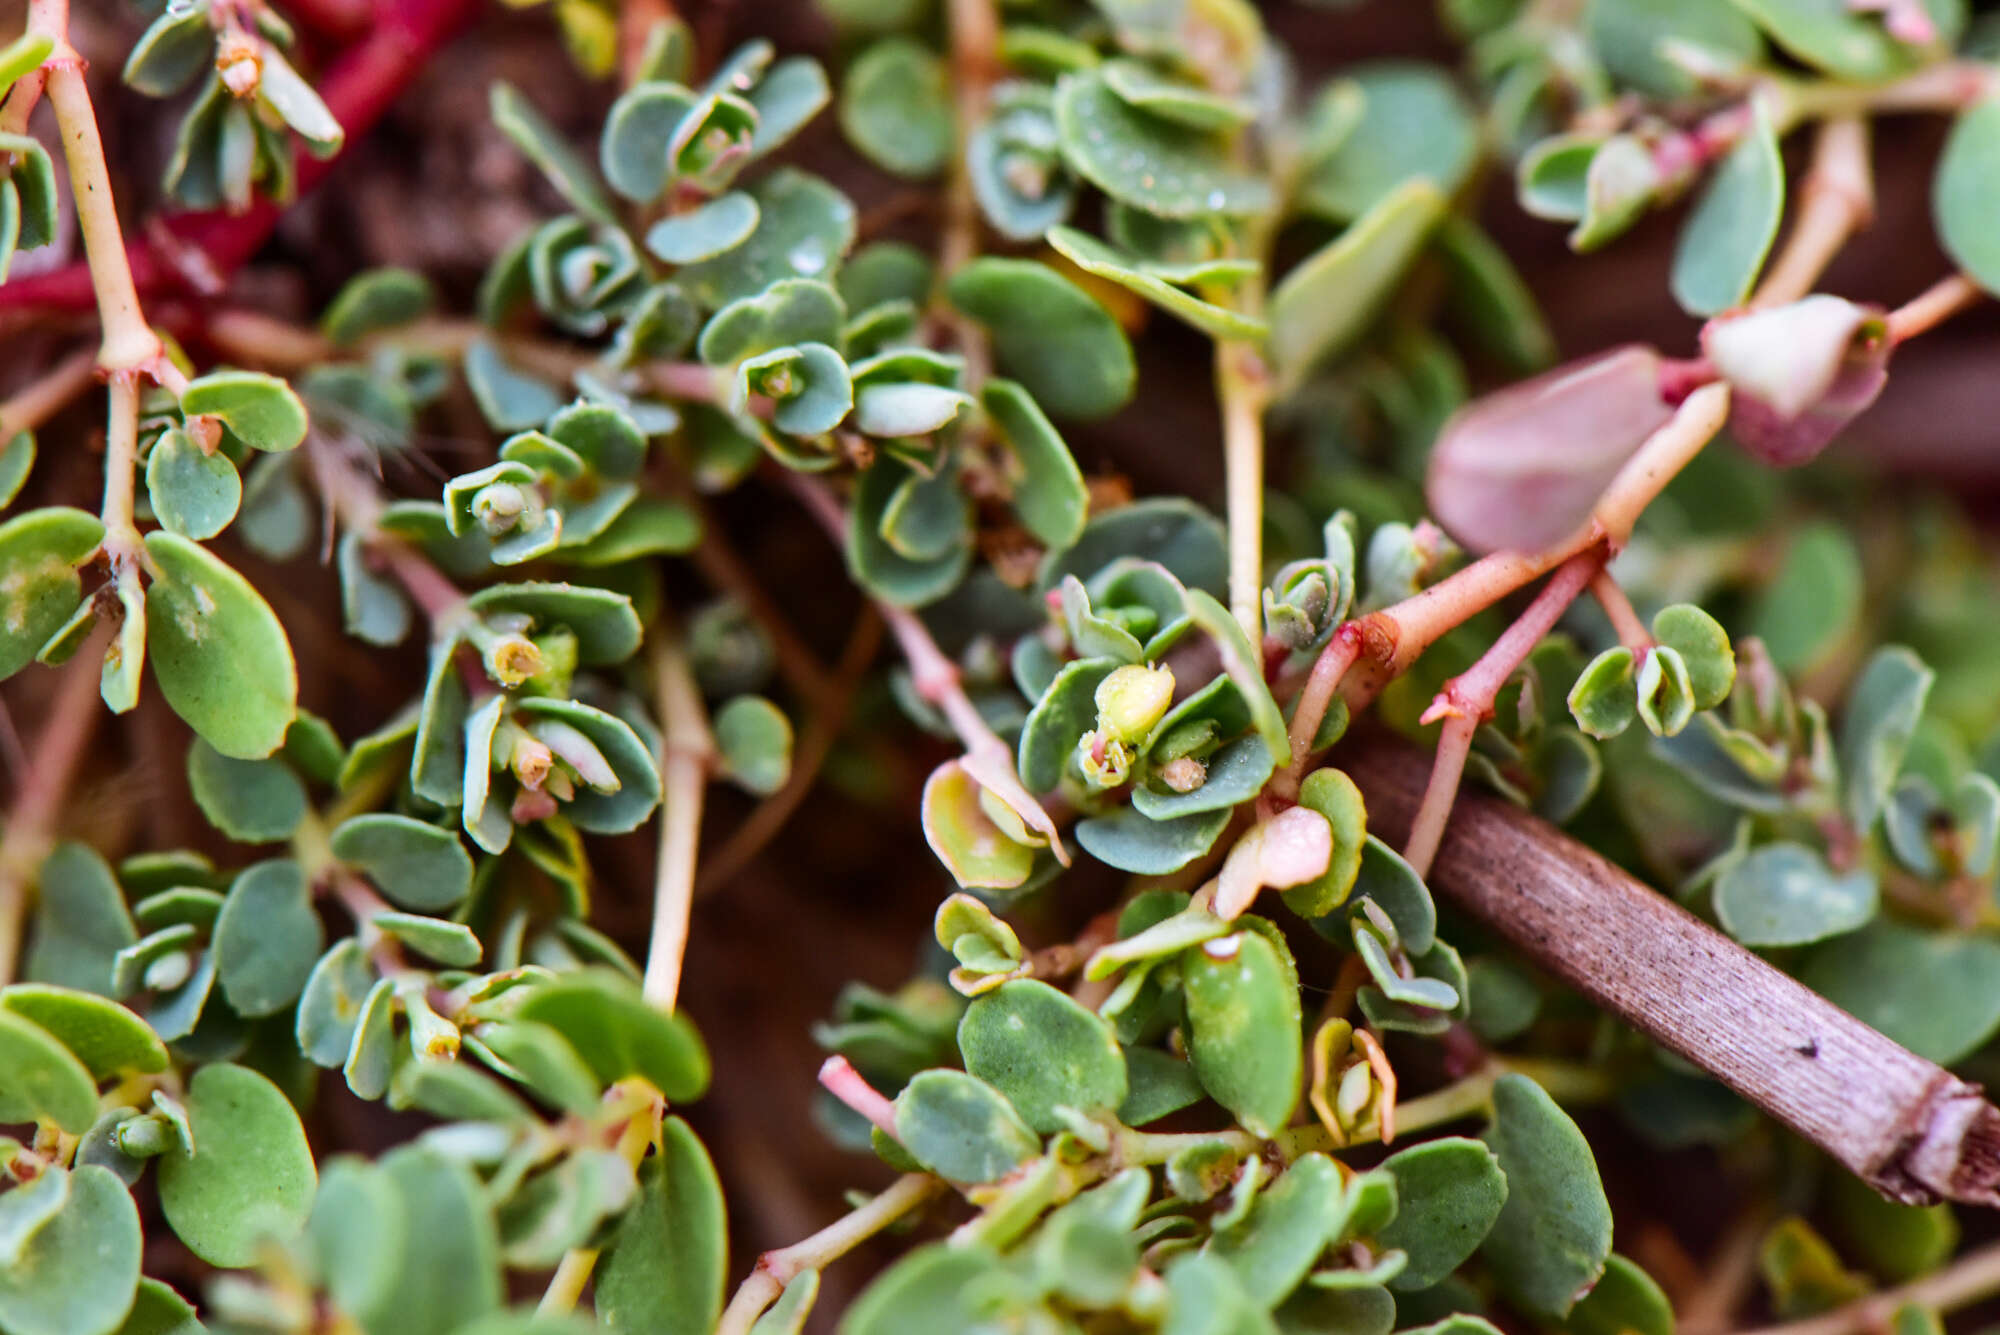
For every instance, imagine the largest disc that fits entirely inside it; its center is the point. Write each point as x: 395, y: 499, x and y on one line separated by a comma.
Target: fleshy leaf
x: 1553, y: 1236
x: 1049, y: 334
x: 1041, y: 1050
x: 218, y: 652
x: 1725, y: 239
x: 250, y: 1176
x: 1238, y: 985
x: 667, y: 1261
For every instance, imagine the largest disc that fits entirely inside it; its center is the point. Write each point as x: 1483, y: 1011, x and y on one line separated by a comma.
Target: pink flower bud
x: 1800, y: 373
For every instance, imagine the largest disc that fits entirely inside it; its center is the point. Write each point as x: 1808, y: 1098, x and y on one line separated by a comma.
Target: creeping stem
x: 1365, y: 655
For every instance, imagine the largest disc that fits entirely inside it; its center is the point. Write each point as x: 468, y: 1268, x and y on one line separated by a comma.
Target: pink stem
x: 1467, y: 700
x: 358, y: 88
x: 1610, y: 595
x: 838, y: 1076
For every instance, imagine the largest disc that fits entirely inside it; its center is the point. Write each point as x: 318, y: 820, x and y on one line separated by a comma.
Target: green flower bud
x: 1132, y: 699
x: 143, y: 1137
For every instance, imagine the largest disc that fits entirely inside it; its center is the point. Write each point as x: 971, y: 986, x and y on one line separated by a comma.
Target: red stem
x: 358, y: 87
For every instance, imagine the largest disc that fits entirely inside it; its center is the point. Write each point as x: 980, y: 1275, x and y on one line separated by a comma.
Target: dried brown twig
x: 1907, y: 1127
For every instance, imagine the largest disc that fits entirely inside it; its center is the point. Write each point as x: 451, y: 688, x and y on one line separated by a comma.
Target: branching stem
x: 987, y: 759
x: 778, y: 1268
x: 1467, y: 700
x: 1365, y: 655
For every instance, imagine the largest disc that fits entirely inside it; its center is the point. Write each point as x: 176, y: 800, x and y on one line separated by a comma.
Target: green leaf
x: 77, y: 1275
x: 632, y: 764
x: 373, y: 608
x: 1897, y: 1243
x: 40, y: 1079
x: 24, y: 53
x: 267, y: 938
x: 665, y: 1266
x: 1244, y: 663
x: 755, y: 738
x: 1205, y: 1298
x: 1724, y: 242
x: 1128, y: 271
x: 1664, y: 692
x: 1331, y: 298
x: 1626, y: 1301
x: 1965, y: 193
x: 1147, y: 161
x: 250, y: 1177
x: 895, y: 107
x: 618, y: 1034
x: 177, y: 46
x: 1272, y: 1247
x: 1554, y: 1233
x: 510, y: 400
x: 1130, y: 841
x: 1042, y: 1050
x: 449, y: 943
x: 357, y: 1232
x: 1049, y: 334
x: 790, y: 94
x: 17, y: 458
x: 450, y: 1264
x: 965, y: 836
x: 1703, y: 646
x: 804, y: 227
x: 1067, y: 709
x: 1490, y: 299
x: 817, y: 391
x: 375, y: 300
x: 1333, y: 795
x: 890, y: 490
x: 564, y: 1206
x: 1784, y: 894
x: 194, y: 494
x: 1636, y: 40
x: 251, y: 801
x: 604, y: 621
x: 158, y: 1310
x: 218, y: 652
x: 1883, y: 708
x: 260, y: 410
x: 1172, y: 531
x: 1414, y: 125
x: 934, y: 1288
x: 1605, y: 698
x: 415, y: 865
x: 106, y: 1037
x: 962, y: 1128
x: 714, y: 227
x: 638, y: 147
x: 1449, y: 1192
x: 39, y: 585
x: 542, y: 144
x: 1938, y: 994
x: 81, y: 922
x: 1848, y: 43
x: 330, y: 1004
x: 1236, y: 773
x: 1049, y: 492
x: 1244, y: 1028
